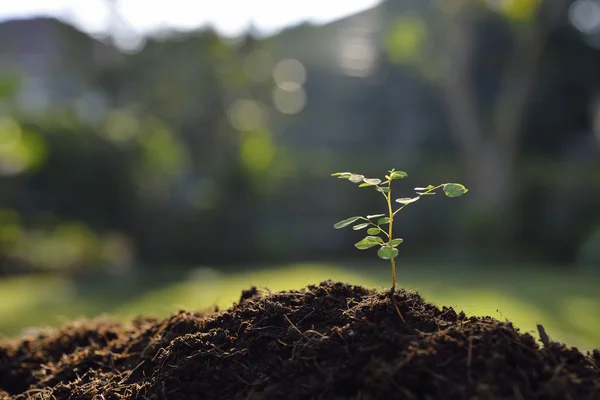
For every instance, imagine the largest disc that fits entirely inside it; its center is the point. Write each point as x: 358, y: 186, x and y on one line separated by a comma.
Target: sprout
x: 383, y: 237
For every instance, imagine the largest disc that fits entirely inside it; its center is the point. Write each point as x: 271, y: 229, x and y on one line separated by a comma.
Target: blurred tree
x: 182, y: 136
x: 487, y: 129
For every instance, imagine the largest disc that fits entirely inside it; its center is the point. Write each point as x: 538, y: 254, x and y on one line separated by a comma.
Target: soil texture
x: 328, y: 341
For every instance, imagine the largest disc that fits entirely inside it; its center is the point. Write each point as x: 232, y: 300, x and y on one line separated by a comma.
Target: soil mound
x: 328, y: 341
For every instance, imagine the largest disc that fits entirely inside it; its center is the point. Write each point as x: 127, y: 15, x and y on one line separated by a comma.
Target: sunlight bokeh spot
x: 289, y: 101
x: 515, y: 9
x: 257, y: 151
x: 19, y: 150
x: 164, y: 155
x: 121, y: 126
x: 405, y: 39
x: 289, y: 70
x: 246, y: 115
x: 357, y: 56
x: 584, y: 15
x: 10, y: 132
x: 129, y: 42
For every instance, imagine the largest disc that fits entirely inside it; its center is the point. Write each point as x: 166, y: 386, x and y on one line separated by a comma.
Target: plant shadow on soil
x: 328, y: 341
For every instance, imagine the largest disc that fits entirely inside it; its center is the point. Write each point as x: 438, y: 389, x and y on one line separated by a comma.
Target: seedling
x: 375, y: 224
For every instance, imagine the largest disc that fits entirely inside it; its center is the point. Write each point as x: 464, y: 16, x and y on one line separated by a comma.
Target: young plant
x: 379, y: 226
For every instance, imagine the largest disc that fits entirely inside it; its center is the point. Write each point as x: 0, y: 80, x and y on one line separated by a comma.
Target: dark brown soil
x: 331, y: 341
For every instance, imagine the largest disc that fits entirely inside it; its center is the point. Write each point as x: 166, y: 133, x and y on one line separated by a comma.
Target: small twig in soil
x: 295, y: 327
x: 543, y: 335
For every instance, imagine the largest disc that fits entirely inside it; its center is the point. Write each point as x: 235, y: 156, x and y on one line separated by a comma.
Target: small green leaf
x: 398, y: 175
x: 373, y: 231
x: 346, y: 222
x: 372, y: 181
x: 342, y: 175
x: 383, y: 189
x: 356, y: 178
x: 383, y: 221
x: 407, y: 200
x: 454, y: 189
x: 360, y: 226
x: 425, y: 193
x: 368, y: 242
x: 420, y: 189
x: 395, y: 242
x: 387, y: 252
x: 375, y: 216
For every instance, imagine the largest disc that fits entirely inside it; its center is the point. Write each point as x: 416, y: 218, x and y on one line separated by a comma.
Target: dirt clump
x: 328, y: 341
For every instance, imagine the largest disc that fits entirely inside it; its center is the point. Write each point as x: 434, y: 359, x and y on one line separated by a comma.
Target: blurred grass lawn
x: 566, y: 304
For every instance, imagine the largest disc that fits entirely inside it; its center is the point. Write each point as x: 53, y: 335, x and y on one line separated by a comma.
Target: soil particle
x: 328, y: 341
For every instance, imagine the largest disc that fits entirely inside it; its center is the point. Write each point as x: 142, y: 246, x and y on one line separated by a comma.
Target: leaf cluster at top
x: 388, y: 247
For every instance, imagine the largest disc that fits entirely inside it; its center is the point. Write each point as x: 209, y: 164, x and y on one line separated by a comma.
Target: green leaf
x: 356, y: 178
x: 373, y: 231
x: 383, y: 221
x: 383, y: 189
x: 387, y: 252
x: 346, y: 222
x: 372, y: 181
x: 368, y: 242
x: 395, y: 242
x: 398, y: 175
x: 425, y: 193
x: 407, y: 200
x: 360, y: 226
x: 454, y: 189
x: 342, y: 175
x: 366, y: 185
x: 375, y: 216
x: 420, y: 189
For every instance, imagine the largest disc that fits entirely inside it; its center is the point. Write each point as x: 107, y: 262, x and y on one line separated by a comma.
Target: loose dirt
x: 328, y: 341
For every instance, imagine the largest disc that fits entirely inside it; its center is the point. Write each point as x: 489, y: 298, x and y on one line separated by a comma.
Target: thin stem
x: 381, y: 230
x: 391, y: 213
x: 389, y: 203
x: 385, y: 233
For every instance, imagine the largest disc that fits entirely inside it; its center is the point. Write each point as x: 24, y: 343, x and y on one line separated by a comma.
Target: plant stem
x: 388, y: 197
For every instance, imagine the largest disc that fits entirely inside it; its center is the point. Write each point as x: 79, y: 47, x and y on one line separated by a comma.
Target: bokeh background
x: 168, y: 155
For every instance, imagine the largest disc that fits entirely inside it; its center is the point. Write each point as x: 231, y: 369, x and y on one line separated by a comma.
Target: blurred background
x: 160, y: 156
